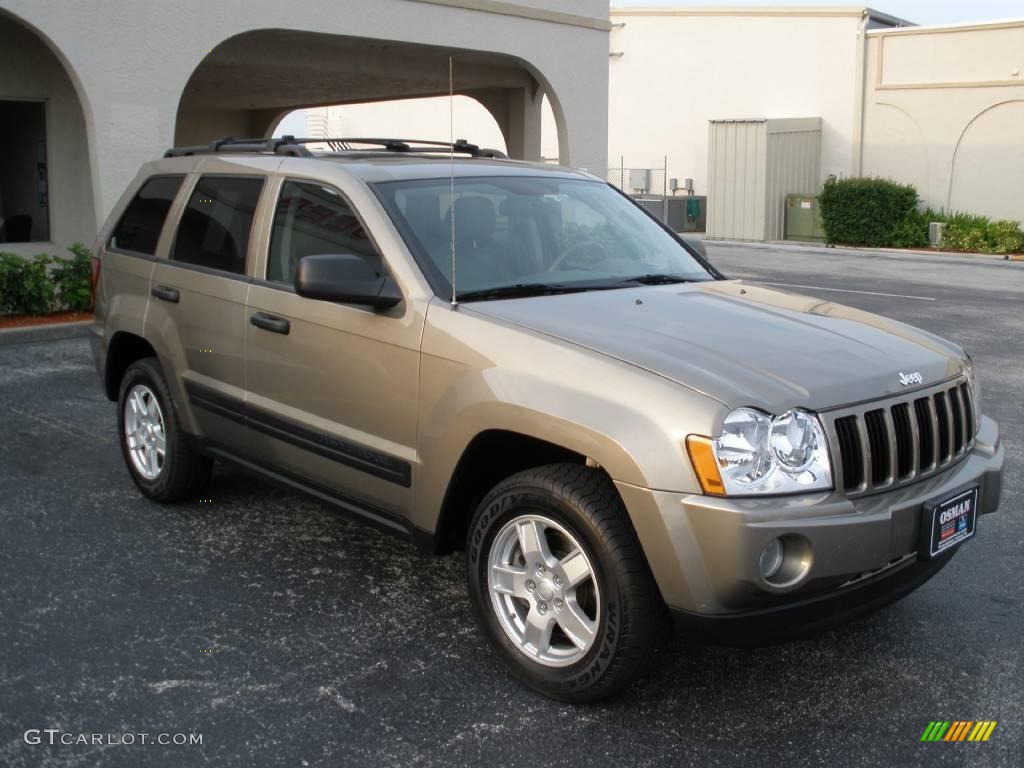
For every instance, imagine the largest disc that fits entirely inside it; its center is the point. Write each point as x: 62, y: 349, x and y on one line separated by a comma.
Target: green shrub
x: 1006, y: 237
x: 44, y: 284
x: 979, y: 234
x: 872, y: 212
x: 912, y: 232
x: 73, y: 278
x: 25, y: 286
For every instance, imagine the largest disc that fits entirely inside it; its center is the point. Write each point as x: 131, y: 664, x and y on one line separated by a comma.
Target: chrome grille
x: 893, y: 442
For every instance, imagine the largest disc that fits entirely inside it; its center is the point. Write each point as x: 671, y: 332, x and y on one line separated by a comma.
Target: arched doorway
x: 46, y: 192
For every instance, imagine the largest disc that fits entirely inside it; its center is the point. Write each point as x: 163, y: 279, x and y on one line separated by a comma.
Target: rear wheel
x: 560, y: 584
x: 160, y: 459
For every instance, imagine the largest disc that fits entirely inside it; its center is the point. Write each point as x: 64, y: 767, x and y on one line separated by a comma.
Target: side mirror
x: 345, y: 278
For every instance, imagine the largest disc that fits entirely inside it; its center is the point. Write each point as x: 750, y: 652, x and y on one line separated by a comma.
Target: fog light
x: 771, y: 558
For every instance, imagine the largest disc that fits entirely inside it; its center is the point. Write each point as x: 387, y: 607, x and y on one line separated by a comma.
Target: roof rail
x: 289, y: 145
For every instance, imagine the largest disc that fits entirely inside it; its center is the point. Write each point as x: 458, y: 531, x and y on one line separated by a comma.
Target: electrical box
x: 935, y: 233
x: 803, y: 219
x: 640, y: 179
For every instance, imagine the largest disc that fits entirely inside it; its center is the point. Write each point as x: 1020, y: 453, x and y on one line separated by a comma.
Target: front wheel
x: 560, y: 584
x: 158, y: 453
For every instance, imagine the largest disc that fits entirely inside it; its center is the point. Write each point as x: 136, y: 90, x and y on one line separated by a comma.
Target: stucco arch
x: 244, y: 85
x: 991, y: 139
x: 899, y: 148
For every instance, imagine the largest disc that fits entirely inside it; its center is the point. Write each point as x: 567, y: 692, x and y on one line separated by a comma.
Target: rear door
x: 331, y: 387
x: 197, y: 317
x: 130, y: 253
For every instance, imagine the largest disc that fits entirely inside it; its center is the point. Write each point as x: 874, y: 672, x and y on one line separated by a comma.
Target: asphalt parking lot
x: 288, y: 636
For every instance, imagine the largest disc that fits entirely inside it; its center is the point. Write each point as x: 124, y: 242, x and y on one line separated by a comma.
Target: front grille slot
x: 965, y: 392
x: 878, y: 440
x: 896, y: 441
x: 958, y: 420
x: 904, y: 441
x: 942, y: 412
x: 850, y: 452
x: 925, y: 434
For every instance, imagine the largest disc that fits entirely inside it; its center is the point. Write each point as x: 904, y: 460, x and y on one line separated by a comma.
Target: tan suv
x: 515, y: 358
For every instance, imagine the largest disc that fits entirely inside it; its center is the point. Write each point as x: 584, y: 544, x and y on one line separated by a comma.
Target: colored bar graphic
x: 958, y: 730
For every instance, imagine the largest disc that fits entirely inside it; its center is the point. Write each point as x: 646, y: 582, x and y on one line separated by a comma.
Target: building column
x: 517, y: 111
x: 523, y: 135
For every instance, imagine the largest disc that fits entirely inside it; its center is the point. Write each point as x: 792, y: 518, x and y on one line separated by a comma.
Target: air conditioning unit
x: 935, y: 233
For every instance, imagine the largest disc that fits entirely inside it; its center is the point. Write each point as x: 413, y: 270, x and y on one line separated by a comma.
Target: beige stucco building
x: 939, y: 107
x: 90, y: 90
x: 944, y: 110
x: 674, y: 70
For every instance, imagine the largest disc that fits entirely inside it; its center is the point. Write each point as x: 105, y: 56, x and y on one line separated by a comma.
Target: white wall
x: 681, y: 69
x: 944, y: 110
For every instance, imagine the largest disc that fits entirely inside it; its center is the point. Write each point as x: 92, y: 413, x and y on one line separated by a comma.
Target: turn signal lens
x: 705, y: 465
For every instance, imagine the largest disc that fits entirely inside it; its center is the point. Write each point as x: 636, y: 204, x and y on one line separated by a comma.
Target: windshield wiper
x: 520, y: 290
x: 657, y: 278
x: 523, y: 290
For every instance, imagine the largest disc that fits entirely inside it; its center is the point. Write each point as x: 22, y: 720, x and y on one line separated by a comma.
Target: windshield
x: 530, y: 235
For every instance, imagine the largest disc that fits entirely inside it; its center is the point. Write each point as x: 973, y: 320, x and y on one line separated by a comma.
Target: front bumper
x: 703, y: 550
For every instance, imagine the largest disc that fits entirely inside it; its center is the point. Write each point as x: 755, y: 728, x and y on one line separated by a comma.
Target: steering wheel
x: 599, y: 252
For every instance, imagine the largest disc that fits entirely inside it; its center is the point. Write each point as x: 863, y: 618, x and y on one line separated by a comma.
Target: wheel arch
x: 123, y: 350
x: 490, y: 457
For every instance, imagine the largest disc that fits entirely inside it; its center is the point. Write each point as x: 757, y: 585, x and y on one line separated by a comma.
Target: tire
x: 145, y: 409
x: 604, y: 630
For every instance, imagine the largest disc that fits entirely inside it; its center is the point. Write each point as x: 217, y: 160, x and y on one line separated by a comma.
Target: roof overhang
x: 808, y: 11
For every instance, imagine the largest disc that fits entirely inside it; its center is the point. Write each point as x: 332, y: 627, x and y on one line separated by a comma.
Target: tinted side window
x: 214, y: 229
x: 312, y: 218
x: 140, y: 224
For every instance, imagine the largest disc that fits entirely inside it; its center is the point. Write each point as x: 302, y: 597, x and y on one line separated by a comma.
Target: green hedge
x: 979, y: 234
x: 45, y: 284
x: 872, y: 212
x: 883, y: 214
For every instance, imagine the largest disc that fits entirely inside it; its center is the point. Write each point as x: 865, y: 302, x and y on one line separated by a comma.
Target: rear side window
x: 215, y: 227
x: 310, y: 219
x: 140, y: 224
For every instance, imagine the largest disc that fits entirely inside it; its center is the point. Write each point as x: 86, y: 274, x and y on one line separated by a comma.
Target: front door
x: 331, y: 387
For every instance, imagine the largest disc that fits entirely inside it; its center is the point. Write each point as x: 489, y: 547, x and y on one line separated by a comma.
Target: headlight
x: 972, y: 382
x: 759, y: 454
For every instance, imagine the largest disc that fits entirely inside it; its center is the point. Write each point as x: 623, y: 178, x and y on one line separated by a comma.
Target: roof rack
x: 289, y: 145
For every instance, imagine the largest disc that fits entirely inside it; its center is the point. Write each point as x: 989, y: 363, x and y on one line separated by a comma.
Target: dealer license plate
x: 949, y: 522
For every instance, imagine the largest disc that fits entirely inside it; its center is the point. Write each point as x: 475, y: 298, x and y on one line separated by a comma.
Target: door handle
x: 270, y: 323
x: 164, y: 293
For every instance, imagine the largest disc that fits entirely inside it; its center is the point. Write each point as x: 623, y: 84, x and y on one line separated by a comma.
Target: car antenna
x: 451, y: 168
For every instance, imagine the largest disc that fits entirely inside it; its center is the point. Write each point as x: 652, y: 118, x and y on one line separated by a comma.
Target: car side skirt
x: 354, y: 509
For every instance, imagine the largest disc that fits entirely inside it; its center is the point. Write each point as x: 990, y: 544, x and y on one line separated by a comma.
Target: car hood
x: 741, y: 343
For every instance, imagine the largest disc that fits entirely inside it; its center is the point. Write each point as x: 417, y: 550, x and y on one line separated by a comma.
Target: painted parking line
x: 848, y: 290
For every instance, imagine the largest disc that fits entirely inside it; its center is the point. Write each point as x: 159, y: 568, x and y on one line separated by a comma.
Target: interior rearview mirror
x: 345, y: 278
